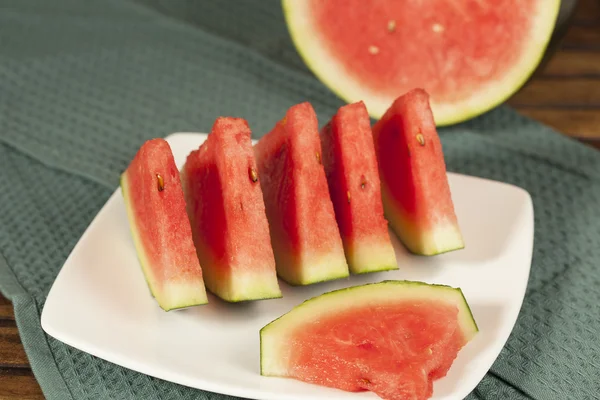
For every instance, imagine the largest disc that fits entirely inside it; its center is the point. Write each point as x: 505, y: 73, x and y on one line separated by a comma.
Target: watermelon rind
x: 171, y: 296
x: 366, y: 258
x: 444, y: 238
x: 274, y: 336
x: 333, y: 75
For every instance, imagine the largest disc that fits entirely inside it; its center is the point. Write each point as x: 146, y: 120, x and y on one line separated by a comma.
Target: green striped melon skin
x: 160, y: 227
x: 393, y: 338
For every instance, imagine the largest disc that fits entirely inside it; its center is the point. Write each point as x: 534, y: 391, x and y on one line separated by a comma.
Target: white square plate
x: 100, y: 303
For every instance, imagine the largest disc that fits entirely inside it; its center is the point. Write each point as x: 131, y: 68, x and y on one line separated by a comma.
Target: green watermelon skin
x: 304, y: 233
x: 227, y: 213
x: 414, y: 183
x: 394, y: 338
x: 351, y: 167
x: 160, y: 228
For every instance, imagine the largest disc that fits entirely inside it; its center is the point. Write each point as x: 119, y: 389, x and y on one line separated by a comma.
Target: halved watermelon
x: 304, y: 233
x: 351, y: 168
x: 227, y: 213
x: 393, y: 338
x: 469, y: 55
x: 160, y: 227
x: 414, y: 184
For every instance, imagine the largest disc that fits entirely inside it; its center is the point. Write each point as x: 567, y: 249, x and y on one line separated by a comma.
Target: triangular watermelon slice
x: 393, y: 338
x: 351, y: 167
x: 160, y: 227
x: 304, y: 233
x: 227, y: 214
x: 414, y: 184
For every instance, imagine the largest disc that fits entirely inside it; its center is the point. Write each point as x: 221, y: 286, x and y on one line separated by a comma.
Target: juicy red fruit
x: 304, y: 233
x: 396, y: 351
x: 351, y: 167
x: 227, y: 214
x: 375, y: 39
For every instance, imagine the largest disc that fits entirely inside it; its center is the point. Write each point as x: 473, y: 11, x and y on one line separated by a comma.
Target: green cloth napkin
x: 84, y: 83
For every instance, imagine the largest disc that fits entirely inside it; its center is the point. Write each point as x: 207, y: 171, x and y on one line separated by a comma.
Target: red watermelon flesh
x: 394, y: 338
x: 414, y: 184
x: 227, y: 213
x: 470, y: 55
x: 304, y: 233
x: 351, y: 168
x: 160, y: 227
x: 491, y: 53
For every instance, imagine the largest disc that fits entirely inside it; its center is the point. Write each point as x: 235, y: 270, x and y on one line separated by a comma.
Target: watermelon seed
x: 253, y: 174
x: 363, y: 182
x: 429, y: 350
x: 421, y: 139
x: 348, y: 195
x: 437, y: 28
x: 241, y: 206
x: 391, y: 26
x: 366, y: 381
x: 161, y: 183
x: 373, y: 50
x: 318, y: 157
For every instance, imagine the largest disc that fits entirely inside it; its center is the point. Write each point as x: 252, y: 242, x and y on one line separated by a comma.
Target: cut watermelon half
x: 393, y: 338
x: 351, y: 168
x: 227, y: 214
x: 414, y: 184
x: 304, y: 233
x: 160, y: 227
x: 469, y: 55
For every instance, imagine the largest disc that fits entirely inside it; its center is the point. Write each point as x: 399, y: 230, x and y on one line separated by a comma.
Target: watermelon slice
x: 414, y: 185
x: 469, y: 55
x: 160, y: 227
x: 393, y: 338
x: 227, y: 213
x: 304, y: 233
x: 351, y: 168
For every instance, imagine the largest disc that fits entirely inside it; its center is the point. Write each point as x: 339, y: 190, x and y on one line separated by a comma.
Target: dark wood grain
x: 569, y: 93
x: 583, y: 124
x: 573, y: 64
x: 19, y: 384
x: 587, y: 12
x: 6, y: 309
x: 564, y: 95
x: 12, y: 354
x: 583, y: 37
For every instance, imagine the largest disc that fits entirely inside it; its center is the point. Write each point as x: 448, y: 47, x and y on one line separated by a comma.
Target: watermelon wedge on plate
x: 160, y: 228
x: 304, y: 233
x: 351, y: 167
x: 414, y: 183
x: 469, y: 55
x: 227, y: 214
x: 393, y: 338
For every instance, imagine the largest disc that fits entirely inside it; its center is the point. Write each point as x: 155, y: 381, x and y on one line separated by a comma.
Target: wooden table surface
x: 566, y: 96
